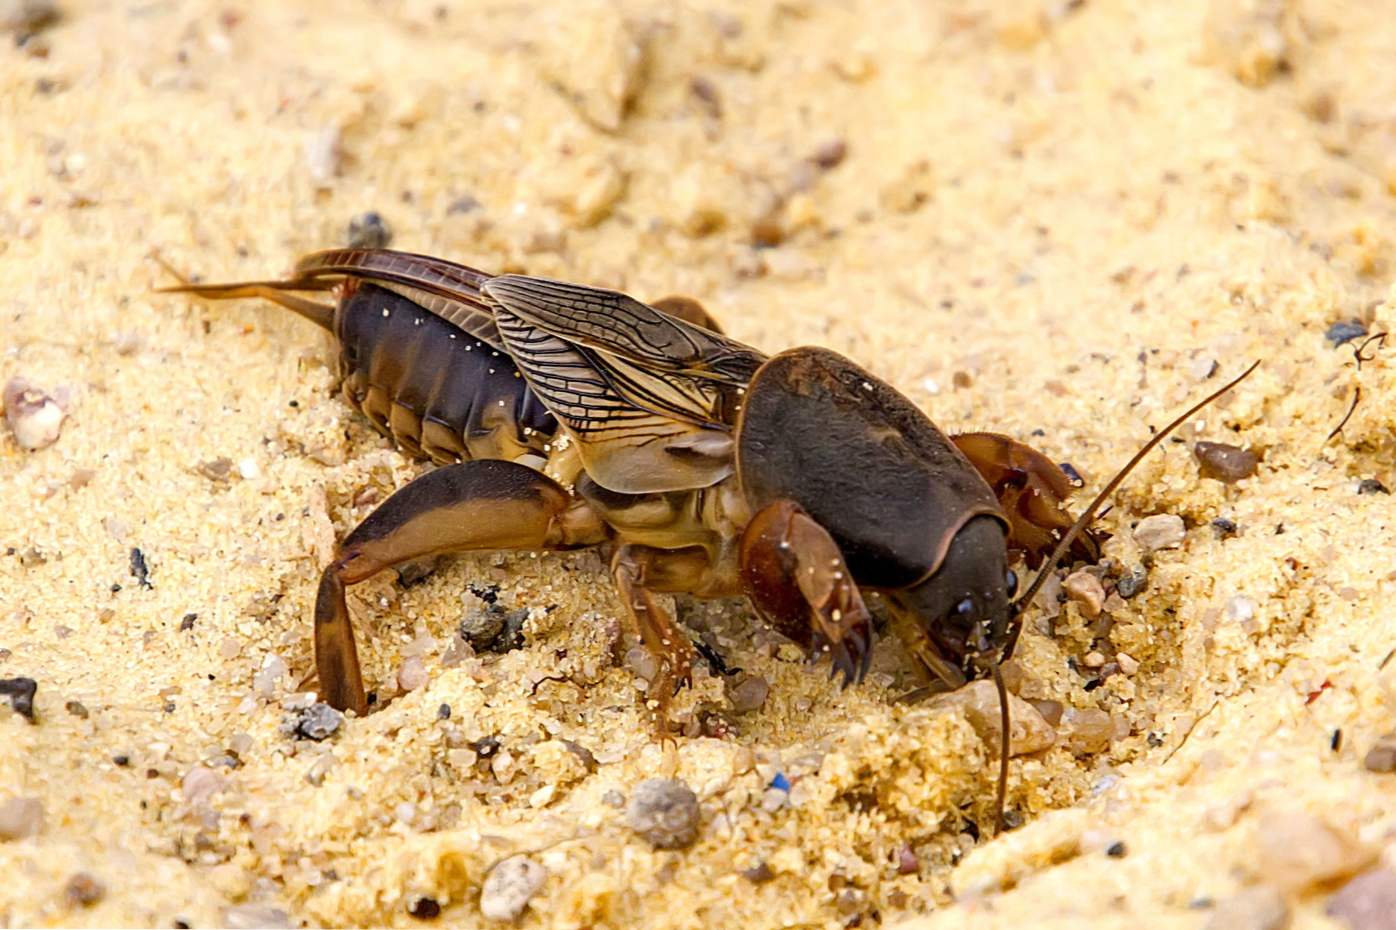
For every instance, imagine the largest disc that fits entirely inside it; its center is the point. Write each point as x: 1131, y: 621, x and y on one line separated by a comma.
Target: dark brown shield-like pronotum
x: 862, y: 460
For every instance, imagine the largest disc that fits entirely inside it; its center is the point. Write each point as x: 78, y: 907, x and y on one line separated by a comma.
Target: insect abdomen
x: 435, y: 390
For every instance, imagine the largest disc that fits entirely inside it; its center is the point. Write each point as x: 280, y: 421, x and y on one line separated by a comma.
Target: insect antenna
x: 1004, y: 744
x: 1088, y: 514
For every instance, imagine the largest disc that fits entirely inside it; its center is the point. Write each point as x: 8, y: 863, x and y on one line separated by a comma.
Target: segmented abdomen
x: 437, y: 391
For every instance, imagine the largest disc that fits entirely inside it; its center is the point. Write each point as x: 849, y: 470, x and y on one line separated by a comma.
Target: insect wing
x: 640, y: 427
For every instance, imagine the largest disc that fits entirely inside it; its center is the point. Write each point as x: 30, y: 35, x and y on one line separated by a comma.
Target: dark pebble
x: 1223, y: 527
x: 1225, y: 462
x: 139, y: 570
x: 317, y: 722
x: 1335, y: 742
x: 368, y: 231
x: 1072, y: 475
x: 1131, y: 585
x: 1116, y: 850
x: 20, y: 691
x: 76, y: 708
x: 443, y: 712
x: 424, y: 908
x: 486, y: 747
x: 831, y: 154
x: 1368, y: 902
x: 121, y: 760
x: 83, y: 890
x: 493, y: 629
x: 1371, y: 486
x: 1345, y: 331
x: 758, y: 874
x: 188, y: 622
x: 463, y: 204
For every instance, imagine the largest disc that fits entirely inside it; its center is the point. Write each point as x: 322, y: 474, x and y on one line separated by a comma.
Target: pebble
x: 1345, y: 331
x: 20, y: 691
x: 1297, y: 850
x: 750, y: 695
x: 665, y: 812
x: 1368, y: 902
x: 493, y: 629
x: 25, y: 17
x: 21, y: 817
x: 200, y: 784
x: 642, y: 663
x: 1160, y: 531
x: 979, y: 701
x: 83, y: 890
x: 273, y: 669
x: 1128, y: 663
x: 1260, y: 908
x: 1132, y: 584
x: 1224, y: 462
x: 1224, y: 528
x: 1088, y: 730
x: 317, y: 722
x: 1086, y: 590
x: 509, y: 886
x: 1240, y: 609
x: 323, y: 155
x: 34, y: 417
x: 1382, y: 756
x: 424, y: 908
x: 1371, y: 486
x: 412, y: 674
x: 368, y: 231
x: 830, y: 154
x: 255, y: 917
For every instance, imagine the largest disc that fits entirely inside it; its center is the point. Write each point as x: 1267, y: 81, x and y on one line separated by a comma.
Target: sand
x: 1056, y: 220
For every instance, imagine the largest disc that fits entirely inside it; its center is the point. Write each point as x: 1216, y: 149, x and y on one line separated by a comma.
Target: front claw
x: 795, y: 574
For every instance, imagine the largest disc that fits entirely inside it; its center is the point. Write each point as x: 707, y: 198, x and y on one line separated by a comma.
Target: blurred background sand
x: 1058, y: 220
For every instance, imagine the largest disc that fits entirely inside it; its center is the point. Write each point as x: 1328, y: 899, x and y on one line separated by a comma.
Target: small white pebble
x: 509, y: 886
x: 35, y: 418
x: 249, y: 469
x: 1240, y: 609
x: 1093, y: 659
x: 1160, y: 531
x: 1128, y: 663
x: 200, y: 784
x: 229, y: 648
x: 412, y: 674
x: 323, y: 154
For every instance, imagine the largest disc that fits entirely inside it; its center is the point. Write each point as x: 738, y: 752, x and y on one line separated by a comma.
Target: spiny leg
x: 795, y: 574
x: 632, y: 567
x: 1031, y: 490
x: 470, y: 506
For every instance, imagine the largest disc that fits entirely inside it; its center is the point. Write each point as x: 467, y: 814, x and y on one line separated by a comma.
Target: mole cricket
x: 564, y: 416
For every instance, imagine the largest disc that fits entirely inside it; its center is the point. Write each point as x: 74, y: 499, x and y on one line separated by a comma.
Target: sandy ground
x: 1055, y: 220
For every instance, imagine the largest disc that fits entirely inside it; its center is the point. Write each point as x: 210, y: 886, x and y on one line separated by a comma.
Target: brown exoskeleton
x: 566, y: 416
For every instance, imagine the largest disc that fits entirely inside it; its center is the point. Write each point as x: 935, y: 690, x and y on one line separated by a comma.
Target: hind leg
x: 458, y: 508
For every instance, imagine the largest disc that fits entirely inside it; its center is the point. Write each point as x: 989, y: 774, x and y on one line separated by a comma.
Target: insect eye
x: 1011, y: 583
x: 964, y: 608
